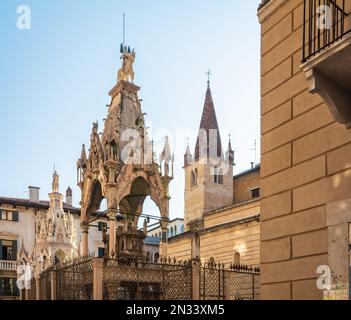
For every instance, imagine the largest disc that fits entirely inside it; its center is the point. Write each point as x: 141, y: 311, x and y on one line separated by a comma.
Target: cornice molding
x: 268, y: 9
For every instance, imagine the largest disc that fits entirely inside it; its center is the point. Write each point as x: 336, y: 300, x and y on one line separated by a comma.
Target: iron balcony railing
x: 325, y: 22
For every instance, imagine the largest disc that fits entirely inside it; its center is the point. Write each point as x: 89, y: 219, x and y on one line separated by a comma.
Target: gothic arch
x: 151, y: 182
x: 93, y: 199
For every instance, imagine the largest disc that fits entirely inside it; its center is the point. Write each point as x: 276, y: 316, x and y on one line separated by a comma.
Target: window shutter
x: 15, y: 216
x: 0, y: 249
x: 14, y: 250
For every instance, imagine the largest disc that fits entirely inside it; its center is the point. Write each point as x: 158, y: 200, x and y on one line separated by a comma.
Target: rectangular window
x: 7, y: 215
x: 8, y: 287
x: 255, y: 193
x: 8, y: 250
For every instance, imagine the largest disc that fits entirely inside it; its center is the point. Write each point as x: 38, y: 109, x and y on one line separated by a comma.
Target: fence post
x: 195, y: 279
x: 53, y: 285
x: 227, y: 280
x: 98, y: 278
x: 37, y: 288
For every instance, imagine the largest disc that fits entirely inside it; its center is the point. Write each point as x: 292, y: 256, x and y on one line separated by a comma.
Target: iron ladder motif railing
x: 324, y: 23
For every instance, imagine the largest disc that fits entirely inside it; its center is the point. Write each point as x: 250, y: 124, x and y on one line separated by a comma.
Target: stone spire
x: 83, y: 156
x: 230, y: 153
x: 55, y: 182
x: 23, y: 254
x: 187, y: 156
x: 81, y: 165
x: 167, y: 157
x: 208, y: 129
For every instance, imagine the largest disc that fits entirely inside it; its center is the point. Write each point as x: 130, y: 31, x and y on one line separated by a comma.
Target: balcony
x: 326, y: 52
x: 7, y: 265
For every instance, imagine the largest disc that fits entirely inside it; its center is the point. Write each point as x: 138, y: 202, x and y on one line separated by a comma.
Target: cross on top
x: 209, y: 74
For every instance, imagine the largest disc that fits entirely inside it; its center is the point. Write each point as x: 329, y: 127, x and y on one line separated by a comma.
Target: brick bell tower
x: 208, y: 173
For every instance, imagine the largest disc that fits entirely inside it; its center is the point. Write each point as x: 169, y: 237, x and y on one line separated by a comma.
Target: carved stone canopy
x: 120, y: 166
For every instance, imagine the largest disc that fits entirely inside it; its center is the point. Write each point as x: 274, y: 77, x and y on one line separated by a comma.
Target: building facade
x: 175, y: 227
x: 40, y: 233
x: 154, y: 236
x: 306, y: 146
x: 222, y: 212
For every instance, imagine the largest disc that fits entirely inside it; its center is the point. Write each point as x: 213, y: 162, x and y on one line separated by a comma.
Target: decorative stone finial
x: 55, y: 182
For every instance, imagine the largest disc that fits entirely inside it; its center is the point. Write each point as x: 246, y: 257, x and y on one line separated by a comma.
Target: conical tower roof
x: 208, y: 122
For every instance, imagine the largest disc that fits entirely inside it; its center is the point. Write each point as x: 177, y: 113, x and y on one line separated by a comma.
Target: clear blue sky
x: 55, y: 78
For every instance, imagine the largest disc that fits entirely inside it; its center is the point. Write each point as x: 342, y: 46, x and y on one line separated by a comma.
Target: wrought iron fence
x: 45, y: 284
x: 212, y: 281
x: 74, y: 280
x: 325, y: 22
x: 32, y: 292
x: 138, y: 279
x: 141, y: 280
x: 244, y: 282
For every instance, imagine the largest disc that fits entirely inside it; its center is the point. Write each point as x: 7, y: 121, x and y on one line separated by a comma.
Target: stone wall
x: 223, y: 243
x: 305, y: 161
x: 224, y: 234
x: 179, y: 248
x: 243, y: 184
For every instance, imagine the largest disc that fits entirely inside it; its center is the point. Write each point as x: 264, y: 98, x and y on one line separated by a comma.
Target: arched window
x: 175, y: 230
x: 156, y: 257
x: 237, y: 258
x: 171, y: 231
x: 193, y: 181
x: 218, y: 175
